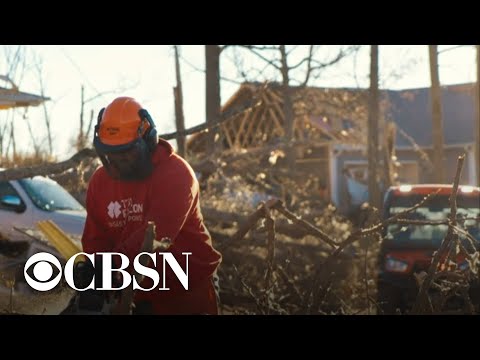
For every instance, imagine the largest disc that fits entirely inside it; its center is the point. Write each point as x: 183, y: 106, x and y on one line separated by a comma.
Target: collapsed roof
x: 12, y: 97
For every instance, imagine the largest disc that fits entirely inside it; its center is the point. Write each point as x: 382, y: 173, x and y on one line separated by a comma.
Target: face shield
x: 129, y: 162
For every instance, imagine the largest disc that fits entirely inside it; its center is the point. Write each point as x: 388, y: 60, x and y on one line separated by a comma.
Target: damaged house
x: 409, y: 113
x: 330, y: 137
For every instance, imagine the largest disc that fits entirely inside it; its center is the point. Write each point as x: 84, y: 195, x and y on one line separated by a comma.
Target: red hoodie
x: 118, y: 213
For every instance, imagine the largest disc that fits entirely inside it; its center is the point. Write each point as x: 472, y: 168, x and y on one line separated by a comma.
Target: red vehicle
x: 407, y: 249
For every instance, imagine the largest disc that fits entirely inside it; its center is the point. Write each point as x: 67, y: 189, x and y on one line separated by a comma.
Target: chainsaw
x: 91, y: 301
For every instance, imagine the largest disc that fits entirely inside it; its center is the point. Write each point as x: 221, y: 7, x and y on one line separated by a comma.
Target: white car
x: 26, y: 201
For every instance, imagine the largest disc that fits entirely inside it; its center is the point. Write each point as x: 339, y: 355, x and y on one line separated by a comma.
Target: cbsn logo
x: 43, y: 270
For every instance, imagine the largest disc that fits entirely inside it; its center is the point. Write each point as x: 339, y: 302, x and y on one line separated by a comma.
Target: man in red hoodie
x: 142, y: 179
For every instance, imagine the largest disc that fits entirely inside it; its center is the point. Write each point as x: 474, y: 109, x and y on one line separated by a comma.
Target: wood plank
x: 250, y: 127
x: 227, y: 135
x: 279, y: 128
x: 242, y: 125
x: 275, y: 97
x: 258, y: 131
x: 281, y: 115
x: 312, y: 160
x: 273, y: 105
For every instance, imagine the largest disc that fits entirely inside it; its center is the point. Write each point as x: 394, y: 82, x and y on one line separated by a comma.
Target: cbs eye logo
x: 42, y: 271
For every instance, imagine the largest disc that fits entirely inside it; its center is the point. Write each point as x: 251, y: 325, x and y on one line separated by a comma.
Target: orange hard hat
x: 121, y: 123
x: 125, y: 139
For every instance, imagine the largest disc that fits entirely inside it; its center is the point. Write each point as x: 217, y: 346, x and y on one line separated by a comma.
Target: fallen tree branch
x: 281, y: 226
x: 306, y: 225
x: 420, y: 302
x: 47, y: 169
x: 250, y: 223
x: 270, y: 225
x: 320, y: 291
x: 75, y: 160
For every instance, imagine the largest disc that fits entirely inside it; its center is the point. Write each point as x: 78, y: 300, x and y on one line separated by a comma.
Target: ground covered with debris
x: 16, y: 297
x: 261, y: 277
x: 285, y: 251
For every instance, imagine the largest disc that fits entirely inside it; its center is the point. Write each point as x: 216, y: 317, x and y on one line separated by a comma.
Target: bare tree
x: 373, y: 115
x: 82, y: 139
x: 437, y: 125
x: 179, y: 115
x: 3, y: 130
x: 46, y: 114
x: 287, y: 106
x: 15, y: 61
x: 388, y: 153
x: 33, y: 138
x: 12, y: 140
x: 81, y: 136
x: 212, y: 91
x: 19, y: 62
x: 5, y: 136
x: 280, y: 59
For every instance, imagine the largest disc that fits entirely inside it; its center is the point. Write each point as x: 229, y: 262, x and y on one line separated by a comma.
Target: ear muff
x: 99, y: 117
x: 150, y: 137
x: 97, y: 128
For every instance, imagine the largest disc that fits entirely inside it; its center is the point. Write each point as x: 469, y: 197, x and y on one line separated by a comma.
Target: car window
x: 48, y: 195
x: 7, y: 189
x: 437, y: 208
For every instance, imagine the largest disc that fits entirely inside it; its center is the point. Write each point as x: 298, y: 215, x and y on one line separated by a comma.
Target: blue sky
x: 147, y: 73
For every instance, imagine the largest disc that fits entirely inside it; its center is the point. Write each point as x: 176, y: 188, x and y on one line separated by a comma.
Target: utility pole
x: 373, y: 114
x: 179, y: 116
x: 437, y: 124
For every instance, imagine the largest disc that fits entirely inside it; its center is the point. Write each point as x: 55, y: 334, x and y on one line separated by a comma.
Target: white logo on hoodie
x: 114, y: 209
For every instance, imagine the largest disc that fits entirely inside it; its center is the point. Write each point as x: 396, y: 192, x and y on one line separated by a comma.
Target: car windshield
x: 437, y: 208
x: 48, y: 195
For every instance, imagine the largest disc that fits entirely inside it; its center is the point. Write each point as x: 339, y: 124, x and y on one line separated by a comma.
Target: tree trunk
x: 81, y: 137
x: 477, y: 122
x: 288, y: 110
x: 46, y: 115
x: 437, y: 126
x: 373, y: 114
x: 388, y: 152
x: 179, y: 116
x: 213, y: 101
x: 12, y: 137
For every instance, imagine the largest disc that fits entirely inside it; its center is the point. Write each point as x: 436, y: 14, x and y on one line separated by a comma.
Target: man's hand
x: 150, y: 243
x: 162, y: 245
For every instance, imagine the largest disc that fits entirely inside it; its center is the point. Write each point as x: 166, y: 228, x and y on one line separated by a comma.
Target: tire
x: 390, y: 299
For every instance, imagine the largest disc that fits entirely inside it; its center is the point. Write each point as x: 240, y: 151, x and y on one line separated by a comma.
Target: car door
x: 11, y: 217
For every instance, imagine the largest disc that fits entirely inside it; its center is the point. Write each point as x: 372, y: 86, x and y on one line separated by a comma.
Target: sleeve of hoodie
x: 95, y: 237
x: 169, y: 207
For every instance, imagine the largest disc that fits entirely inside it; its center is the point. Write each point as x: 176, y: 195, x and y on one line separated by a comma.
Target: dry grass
x: 25, y: 159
